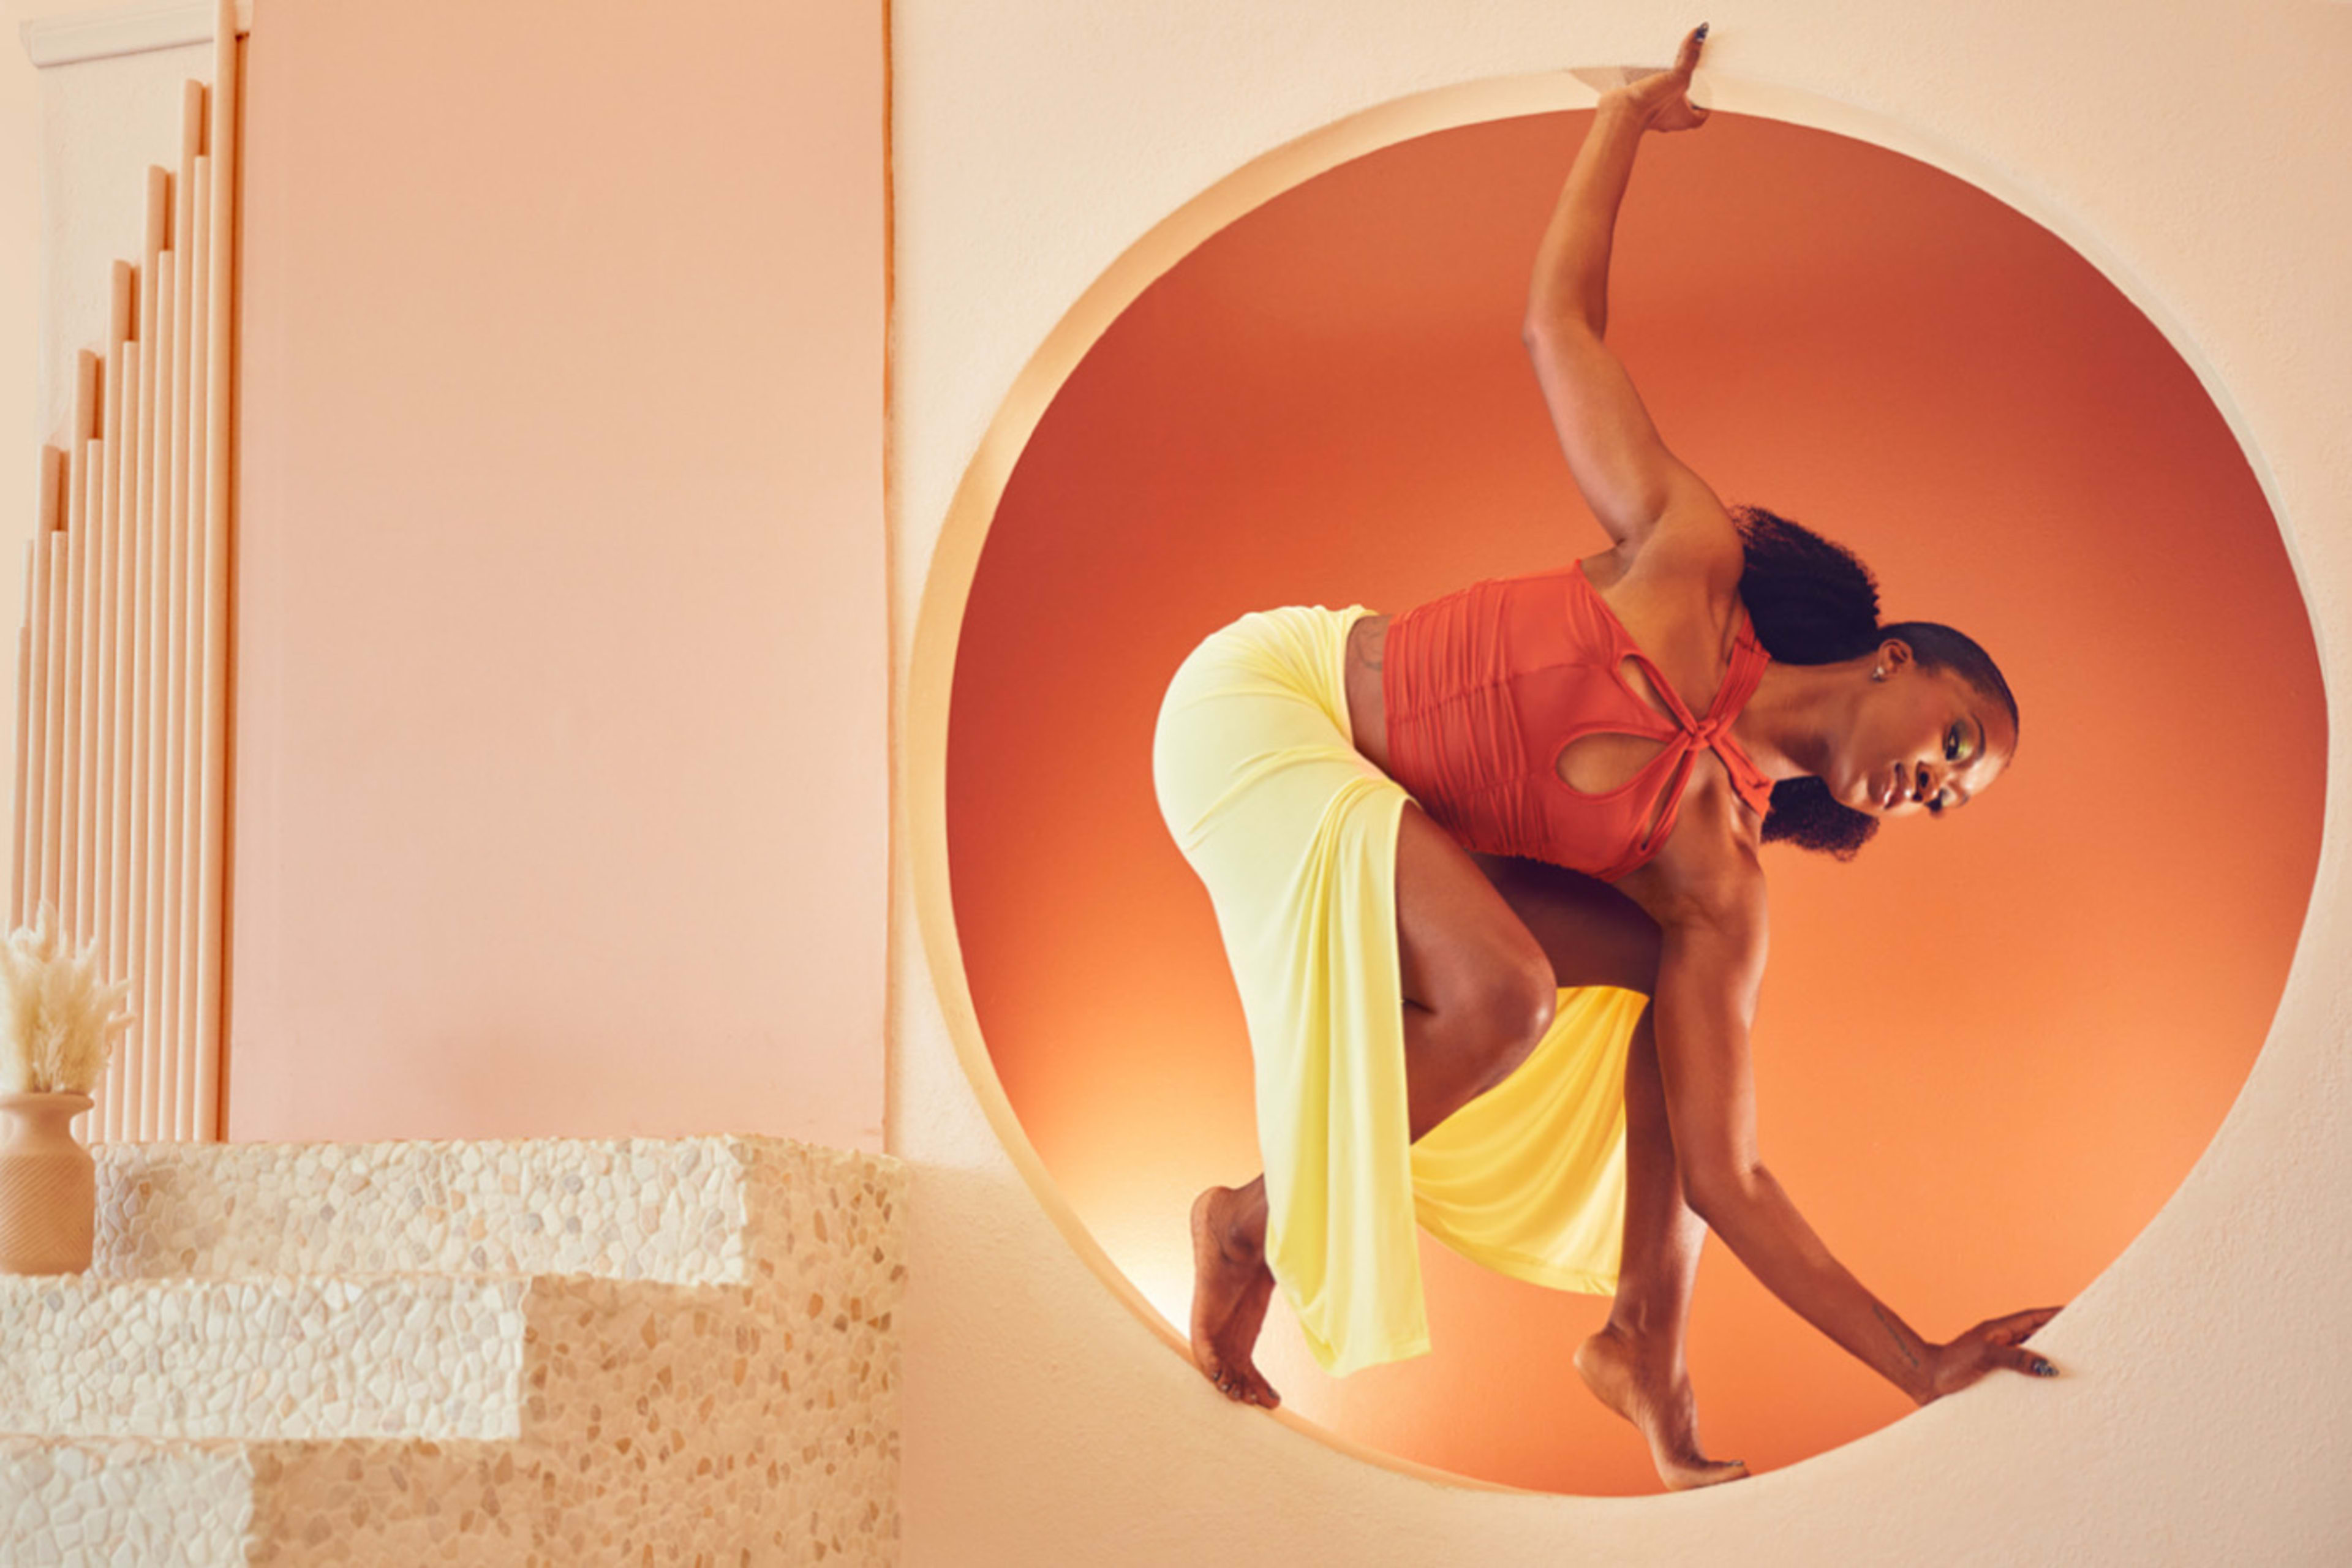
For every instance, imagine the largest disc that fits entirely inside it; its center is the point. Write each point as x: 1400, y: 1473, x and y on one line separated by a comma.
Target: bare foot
x: 1662, y: 1412
x: 1231, y: 1287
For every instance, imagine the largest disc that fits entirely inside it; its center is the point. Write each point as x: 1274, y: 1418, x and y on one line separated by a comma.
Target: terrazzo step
x: 180, y: 1505
x: 563, y: 1352
x: 689, y: 1211
x: 362, y: 1504
x: 401, y: 1356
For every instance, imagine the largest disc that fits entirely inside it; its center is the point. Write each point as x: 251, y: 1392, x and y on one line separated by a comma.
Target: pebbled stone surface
x: 714, y: 1382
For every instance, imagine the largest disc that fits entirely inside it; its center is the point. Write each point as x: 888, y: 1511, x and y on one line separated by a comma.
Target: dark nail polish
x: 2044, y: 1369
x: 1702, y: 32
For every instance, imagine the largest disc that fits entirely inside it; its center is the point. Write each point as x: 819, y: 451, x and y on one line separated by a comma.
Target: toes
x: 1261, y: 1392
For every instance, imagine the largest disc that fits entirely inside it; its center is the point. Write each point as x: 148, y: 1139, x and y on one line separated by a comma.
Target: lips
x: 1892, y: 793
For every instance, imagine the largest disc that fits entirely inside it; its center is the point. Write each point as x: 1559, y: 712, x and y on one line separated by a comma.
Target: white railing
x: 123, y: 670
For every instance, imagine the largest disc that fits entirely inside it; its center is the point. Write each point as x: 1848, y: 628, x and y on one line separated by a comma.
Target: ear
x: 1895, y: 655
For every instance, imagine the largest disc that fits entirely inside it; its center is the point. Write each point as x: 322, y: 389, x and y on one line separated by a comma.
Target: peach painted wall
x: 560, y: 784
x: 1987, y: 1051
x: 1037, y: 146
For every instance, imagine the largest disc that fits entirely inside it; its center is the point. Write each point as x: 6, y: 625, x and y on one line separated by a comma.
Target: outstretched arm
x: 1627, y: 477
x: 1710, y: 967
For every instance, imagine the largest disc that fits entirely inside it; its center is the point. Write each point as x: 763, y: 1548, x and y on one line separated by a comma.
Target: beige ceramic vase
x: 48, y: 1186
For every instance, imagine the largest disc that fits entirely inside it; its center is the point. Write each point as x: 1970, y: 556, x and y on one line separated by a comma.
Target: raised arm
x: 1627, y: 477
x: 1712, y: 918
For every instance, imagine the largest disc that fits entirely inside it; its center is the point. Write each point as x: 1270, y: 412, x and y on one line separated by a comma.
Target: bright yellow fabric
x: 1529, y: 1178
x: 1294, y: 832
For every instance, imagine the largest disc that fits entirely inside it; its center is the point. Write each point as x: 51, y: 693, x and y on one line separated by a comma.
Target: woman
x: 1403, y: 960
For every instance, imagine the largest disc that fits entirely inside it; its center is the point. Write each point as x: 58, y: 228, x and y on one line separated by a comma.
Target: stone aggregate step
x: 645, y: 1351
x: 711, y: 1210
x: 385, y: 1504
x: 411, y: 1356
x: 66, y: 1504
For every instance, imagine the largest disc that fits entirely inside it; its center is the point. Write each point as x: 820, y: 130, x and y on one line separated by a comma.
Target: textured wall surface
x: 1035, y: 145
x: 661, y: 1353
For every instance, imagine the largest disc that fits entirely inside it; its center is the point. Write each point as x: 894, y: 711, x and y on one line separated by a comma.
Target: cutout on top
x: 1326, y: 403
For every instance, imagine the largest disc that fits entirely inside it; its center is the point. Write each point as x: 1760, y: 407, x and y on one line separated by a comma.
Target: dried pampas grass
x: 57, y: 1020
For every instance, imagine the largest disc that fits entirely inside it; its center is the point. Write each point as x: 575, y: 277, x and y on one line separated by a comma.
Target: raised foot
x: 1231, y: 1287
x: 1660, y: 1409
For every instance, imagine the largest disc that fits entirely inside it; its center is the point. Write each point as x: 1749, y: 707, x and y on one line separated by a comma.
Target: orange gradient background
x: 1989, y: 1048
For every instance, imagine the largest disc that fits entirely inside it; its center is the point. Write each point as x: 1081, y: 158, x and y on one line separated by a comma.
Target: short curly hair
x: 1812, y: 600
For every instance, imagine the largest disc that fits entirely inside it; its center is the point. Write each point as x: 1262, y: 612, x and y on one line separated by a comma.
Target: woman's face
x: 1926, y: 742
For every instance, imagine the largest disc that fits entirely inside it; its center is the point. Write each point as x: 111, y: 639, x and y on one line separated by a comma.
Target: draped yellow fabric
x: 1294, y: 834
x: 1529, y: 1178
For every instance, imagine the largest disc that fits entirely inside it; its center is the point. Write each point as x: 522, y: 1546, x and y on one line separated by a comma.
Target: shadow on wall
x: 1989, y: 1051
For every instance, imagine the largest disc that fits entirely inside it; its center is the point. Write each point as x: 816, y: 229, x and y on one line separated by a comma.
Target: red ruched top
x: 1486, y: 687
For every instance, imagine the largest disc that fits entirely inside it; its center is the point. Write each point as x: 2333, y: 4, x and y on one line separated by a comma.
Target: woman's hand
x: 1662, y: 101
x: 1995, y: 1342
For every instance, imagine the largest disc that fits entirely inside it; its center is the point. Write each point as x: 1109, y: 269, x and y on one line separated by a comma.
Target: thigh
x: 1592, y: 933
x: 1458, y: 941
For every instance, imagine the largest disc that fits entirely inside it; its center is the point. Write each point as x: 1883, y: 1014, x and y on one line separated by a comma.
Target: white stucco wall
x: 2196, y: 153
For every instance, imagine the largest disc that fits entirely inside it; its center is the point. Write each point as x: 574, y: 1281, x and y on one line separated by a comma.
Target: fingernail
x: 2044, y: 1369
x: 1702, y: 32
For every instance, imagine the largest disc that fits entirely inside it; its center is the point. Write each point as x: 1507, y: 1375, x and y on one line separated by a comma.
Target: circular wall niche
x: 1989, y: 1049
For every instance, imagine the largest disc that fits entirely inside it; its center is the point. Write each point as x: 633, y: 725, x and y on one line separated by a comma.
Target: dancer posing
x: 1401, y: 821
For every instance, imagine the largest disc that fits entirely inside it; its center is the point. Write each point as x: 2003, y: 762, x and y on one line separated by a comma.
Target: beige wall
x: 559, y: 799
x: 2202, y: 1419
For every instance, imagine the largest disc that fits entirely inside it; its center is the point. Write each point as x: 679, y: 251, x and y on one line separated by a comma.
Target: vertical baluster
x: 68, y: 770
x: 53, y: 710
x: 189, y: 896
x: 187, y: 390
x: 71, y: 566
x: 130, y: 725
x: 84, y: 719
x: 81, y: 716
x: 90, y: 802
x: 91, y: 923
x: 113, y: 624
x: 32, y: 764
x: 172, y: 671
x: 220, y: 293
x: 150, y: 717
x: 129, y: 728
x: 24, y: 734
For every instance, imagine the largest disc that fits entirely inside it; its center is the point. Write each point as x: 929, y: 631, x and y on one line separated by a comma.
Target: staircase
x: 555, y: 1353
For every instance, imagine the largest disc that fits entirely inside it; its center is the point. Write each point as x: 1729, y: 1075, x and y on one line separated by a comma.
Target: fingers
x: 2017, y: 1327
x: 2019, y: 1359
x: 1687, y: 58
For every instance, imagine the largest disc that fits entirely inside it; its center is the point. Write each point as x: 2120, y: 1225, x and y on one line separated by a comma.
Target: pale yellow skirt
x: 1295, y: 835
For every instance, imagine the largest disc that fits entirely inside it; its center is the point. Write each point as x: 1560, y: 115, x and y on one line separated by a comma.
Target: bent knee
x: 1513, y: 1007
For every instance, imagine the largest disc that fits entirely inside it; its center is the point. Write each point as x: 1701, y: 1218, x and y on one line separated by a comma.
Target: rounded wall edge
x: 2191, y: 1503
x: 946, y: 584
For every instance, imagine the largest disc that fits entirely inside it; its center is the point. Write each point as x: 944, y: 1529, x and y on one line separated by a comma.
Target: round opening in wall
x: 1987, y: 1050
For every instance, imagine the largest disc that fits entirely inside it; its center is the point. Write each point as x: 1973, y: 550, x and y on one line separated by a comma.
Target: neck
x: 1787, y: 726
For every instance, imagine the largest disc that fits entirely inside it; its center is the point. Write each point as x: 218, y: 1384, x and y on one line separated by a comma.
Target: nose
x: 1926, y: 784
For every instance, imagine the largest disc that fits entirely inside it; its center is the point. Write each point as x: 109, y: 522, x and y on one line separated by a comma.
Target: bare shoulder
x: 1694, y: 545
x: 1707, y: 873
x: 1675, y: 589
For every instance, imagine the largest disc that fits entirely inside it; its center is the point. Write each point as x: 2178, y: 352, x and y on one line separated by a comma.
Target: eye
x: 1956, y: 743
